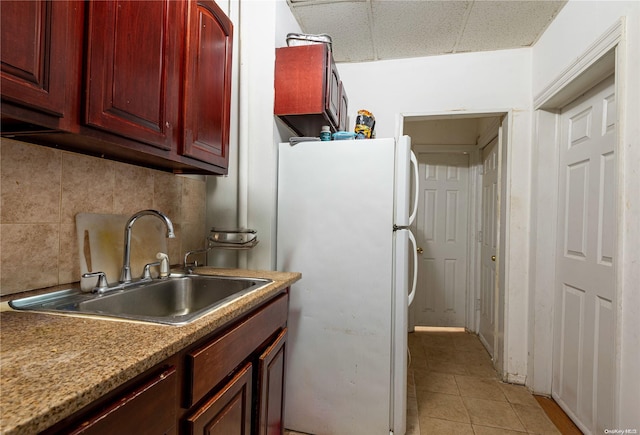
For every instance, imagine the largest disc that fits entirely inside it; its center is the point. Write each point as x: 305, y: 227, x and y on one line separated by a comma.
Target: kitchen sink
x: 173, y: 301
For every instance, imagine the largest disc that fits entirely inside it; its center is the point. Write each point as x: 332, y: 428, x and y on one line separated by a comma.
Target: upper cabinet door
x: 133, y: 69
x: 207, y: 84
x: 343, y: 113
x: 333, y: 90
x: 37, y: 48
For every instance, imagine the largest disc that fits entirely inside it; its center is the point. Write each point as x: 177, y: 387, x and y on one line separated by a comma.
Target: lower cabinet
x: 213, y: 377
x: 231, y: 382
x: 137, y: 411
x: 228, y: 411
x: 270, y: 386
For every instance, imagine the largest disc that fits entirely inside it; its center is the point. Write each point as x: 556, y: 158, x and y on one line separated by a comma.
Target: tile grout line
x: 504, y: 394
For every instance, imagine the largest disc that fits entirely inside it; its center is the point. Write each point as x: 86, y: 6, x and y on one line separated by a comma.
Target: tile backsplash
x: 42, y: 189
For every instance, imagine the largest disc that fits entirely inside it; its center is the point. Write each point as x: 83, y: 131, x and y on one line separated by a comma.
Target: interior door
x: 584, y: 371
x: 488, y: 243
x: 442, y: 239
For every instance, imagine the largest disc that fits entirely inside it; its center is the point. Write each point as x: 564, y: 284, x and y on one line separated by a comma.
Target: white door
x: 442, y: 239
x: 584, y: 371
x: 488, y: 244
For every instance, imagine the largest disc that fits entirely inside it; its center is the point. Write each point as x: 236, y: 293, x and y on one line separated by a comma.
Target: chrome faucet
x: 125, y: 276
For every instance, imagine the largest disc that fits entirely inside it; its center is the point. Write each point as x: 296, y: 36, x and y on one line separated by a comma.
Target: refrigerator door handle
x: 416, y: 193
x: 412, y: 294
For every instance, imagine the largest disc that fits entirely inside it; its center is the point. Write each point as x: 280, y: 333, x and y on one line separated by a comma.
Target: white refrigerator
x: 344, y: 208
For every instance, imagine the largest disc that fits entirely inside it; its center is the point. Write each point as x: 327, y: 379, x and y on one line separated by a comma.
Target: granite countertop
x: 53, y: 365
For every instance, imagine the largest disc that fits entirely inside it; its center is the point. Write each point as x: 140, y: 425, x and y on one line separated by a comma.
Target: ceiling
x: 367, y: 30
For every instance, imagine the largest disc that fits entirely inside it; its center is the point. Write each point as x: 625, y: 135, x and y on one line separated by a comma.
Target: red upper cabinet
x: 133, y: 69
x: 146, y: 82
x: 307, y: 89
x: 207, y: 84
x: 41, y: 44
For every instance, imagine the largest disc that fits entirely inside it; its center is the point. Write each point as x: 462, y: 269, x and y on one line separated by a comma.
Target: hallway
x: 453, y: 388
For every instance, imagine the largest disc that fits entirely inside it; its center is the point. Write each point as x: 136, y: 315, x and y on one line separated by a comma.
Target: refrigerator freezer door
x: 335, y: 218
x: 402, y: 182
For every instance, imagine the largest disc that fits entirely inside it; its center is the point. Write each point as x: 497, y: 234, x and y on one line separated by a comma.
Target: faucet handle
x: 189, y: 266
x: 102, y: 281
x: 146, y: 273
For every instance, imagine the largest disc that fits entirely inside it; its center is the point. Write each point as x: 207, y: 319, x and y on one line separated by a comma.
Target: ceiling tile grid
x: 411, y: 28
x: 347, y: 22
x: 495, y: 25
x: 366, y: 30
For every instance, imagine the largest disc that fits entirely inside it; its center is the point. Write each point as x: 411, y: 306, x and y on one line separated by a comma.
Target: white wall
x: 579, y: 25
x: 575, y: 28
x: 257, y: 151
x: 468, y: 82
x: 497, y: 81
x: 246, y: 197
x: 222, y: 192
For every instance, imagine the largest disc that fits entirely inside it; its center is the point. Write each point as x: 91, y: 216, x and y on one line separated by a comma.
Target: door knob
x: 420, y: 250
x: 493, y: 258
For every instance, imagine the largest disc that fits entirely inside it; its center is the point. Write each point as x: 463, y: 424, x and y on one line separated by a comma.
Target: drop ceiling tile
x: 494, y: 25
x: 416, y: 28
x: 346, y: 22
x: 364, y: 30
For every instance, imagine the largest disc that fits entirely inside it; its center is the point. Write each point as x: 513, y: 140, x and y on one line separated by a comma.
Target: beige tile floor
x: 452, y: 388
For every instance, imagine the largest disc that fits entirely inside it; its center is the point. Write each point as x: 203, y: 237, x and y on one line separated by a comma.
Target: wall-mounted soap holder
x: 237, y: 238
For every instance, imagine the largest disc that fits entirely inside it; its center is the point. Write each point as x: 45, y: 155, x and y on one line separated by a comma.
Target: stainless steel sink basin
x: 173, y: 301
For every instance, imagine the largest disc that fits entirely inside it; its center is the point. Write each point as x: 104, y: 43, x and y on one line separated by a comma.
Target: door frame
x: 600, y: 60
x: 472, y: 318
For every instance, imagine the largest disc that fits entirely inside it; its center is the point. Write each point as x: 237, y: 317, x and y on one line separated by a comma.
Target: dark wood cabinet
x: 228, y: 411
x: 333, y: 91
x: 133, y: 69
x: 259, y: 339
x: 308, y: 89
x: 148, y: 408
x: 271, y: 369
x: 207, y: 84
x: 209, y: 364
x: 30, y: 43
x: 146, y: 82
x: 41, y: 42
x: 229, y: 382
x: 343, y: 113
